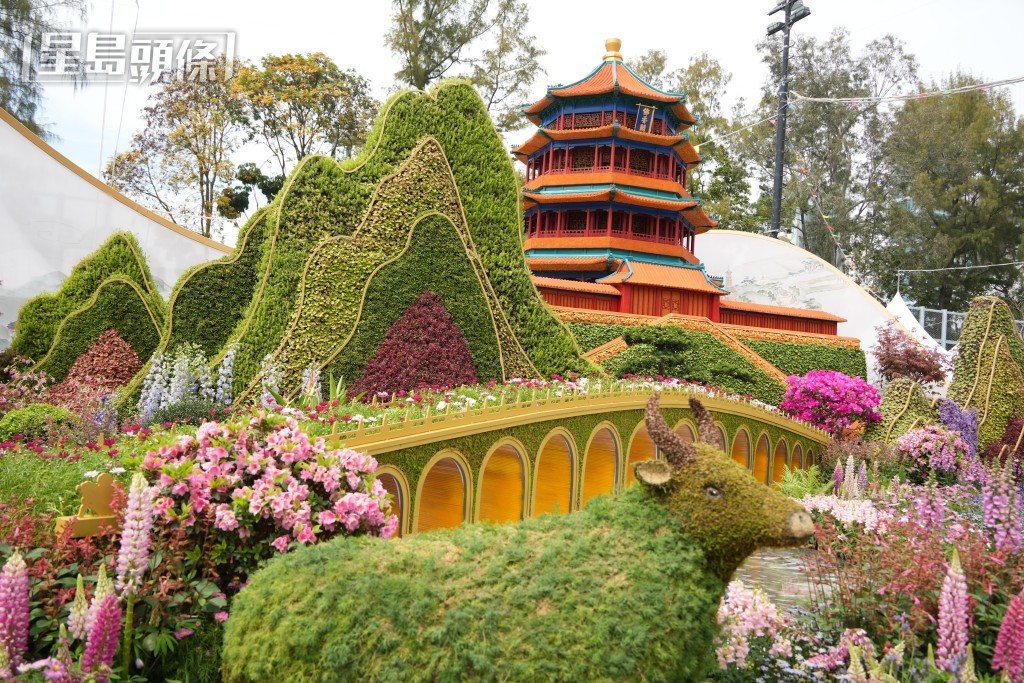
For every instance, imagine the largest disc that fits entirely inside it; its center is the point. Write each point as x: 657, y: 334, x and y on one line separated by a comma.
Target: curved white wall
x: 764, y: 270
x: 52, y: 214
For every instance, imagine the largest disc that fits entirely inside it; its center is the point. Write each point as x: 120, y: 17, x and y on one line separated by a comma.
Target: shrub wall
x: 799, y: 359
x: 38, y: 320
x: 705, y: 354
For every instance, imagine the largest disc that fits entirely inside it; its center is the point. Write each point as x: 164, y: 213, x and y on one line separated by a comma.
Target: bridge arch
x: 723, y: 439
x: 780, y: 460
x: 812, y: 458
x: 686, y: 430
x: 601, y: 462
x: 554, y: 473
x: 442, y: 493
x: 501, y: 495
x: 797, y: 462
x: 741, y: 447
x: 395, y: 483
x: 762, y: 455
x: 641, y: 447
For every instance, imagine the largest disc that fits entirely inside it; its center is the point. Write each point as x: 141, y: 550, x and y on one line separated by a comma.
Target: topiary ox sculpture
x: 625, y: 589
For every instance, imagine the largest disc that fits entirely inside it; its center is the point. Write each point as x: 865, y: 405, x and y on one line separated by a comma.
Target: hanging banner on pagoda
x: 644, y: 118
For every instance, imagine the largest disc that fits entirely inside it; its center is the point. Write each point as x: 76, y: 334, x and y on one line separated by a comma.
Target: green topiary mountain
x: 301, y: 280
x: 988, y: 373
x: 904, y: 407
x: 117, y: 259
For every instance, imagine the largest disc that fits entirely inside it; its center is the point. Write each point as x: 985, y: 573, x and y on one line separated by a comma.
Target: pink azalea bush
x: 933, y: 450
x: 830, y: 400
x: 262, y: 485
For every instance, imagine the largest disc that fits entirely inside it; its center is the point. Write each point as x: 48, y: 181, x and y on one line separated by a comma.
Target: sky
x: 981, y: 37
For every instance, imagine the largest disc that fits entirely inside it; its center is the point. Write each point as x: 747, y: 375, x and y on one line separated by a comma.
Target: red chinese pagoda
x: 609, y: 223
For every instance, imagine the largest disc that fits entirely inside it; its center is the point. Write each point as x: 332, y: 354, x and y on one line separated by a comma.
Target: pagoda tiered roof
x: 690, y: 208
x: 653, y: 274
x: 680, y: 143
x: 610, y: 78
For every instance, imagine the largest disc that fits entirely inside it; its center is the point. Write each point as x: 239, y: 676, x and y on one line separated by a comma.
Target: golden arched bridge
x: 552, y: 451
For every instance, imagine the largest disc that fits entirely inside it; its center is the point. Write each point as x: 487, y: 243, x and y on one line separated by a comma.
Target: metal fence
x: 945, y: 326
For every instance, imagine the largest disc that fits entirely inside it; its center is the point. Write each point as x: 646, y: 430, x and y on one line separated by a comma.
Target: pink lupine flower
x: 135, y: 537
x: 1001, y: 516
x: 953, y: 618
x: 101, y: 645
x: 1009, y: 652
x: 14, y: 613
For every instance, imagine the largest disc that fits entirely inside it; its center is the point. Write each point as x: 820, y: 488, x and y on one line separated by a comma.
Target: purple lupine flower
x: 79, y: 617
x: 101, y: 644
x: 1001, y: 515
x: 104, y: 587
x: 837, y: 476
x: 951, y: 653
x: 138, y: 522
x: 14, y: 610
x: 1009, y: 652
x: 963, y: 421
x: 862, y: 478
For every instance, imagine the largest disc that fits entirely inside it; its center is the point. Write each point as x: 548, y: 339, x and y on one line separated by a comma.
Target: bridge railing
x: 533, y: 404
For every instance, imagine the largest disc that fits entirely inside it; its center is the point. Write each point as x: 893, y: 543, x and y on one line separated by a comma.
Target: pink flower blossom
x: 1009, y: 652
x: 221, y: 617
x: 14, y: 613
x: 954, y: 619
x: 101, y: 644
x: 135, y: 537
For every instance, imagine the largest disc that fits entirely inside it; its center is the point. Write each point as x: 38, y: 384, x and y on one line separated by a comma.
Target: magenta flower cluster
x: 830, y: 400
x: 101, y: 644
x: 261, y: 477
x: 1009, y: 653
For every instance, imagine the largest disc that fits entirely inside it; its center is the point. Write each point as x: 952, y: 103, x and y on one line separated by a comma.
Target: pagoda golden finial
x: 612, y: 47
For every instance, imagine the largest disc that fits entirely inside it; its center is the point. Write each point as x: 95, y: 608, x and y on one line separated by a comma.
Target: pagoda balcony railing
x: 606, y: 168
x: 624, y: 234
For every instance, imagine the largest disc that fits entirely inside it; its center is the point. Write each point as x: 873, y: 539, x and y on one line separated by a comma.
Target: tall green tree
x: 651, y: 66
x: 182, y: 157
x: 21, y: 21
x: 834, y: 165
x: 486, y: 41
x: 505, y: 71
x: 956, y: 166
x: 430, y: 37
x: 298, y: 105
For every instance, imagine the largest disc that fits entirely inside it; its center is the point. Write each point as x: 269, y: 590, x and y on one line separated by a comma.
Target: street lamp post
x: 794, y: 12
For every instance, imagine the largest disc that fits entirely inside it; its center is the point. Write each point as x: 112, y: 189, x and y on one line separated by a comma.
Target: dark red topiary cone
x: 425, y: 346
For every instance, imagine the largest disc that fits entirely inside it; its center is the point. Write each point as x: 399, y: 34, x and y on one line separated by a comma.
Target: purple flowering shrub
x: 260, y: 484
x: 964, y: 422
x: 830, y: 400
x: 934, y: 451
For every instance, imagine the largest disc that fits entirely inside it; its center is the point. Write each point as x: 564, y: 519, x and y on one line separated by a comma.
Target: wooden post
x: 609, y: 227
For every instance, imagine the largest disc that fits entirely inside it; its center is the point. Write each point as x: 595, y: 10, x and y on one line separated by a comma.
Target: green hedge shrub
x: 799, y: 359
x: 37, y: 421
x: 116, y: 304
x: 435, y: 261
x: 904, y: 407
x: 705, y: 359
x: 38, y: 320
x: 987, y: 373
